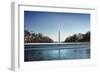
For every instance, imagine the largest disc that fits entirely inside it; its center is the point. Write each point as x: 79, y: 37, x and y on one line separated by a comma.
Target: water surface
x: 43, y: 52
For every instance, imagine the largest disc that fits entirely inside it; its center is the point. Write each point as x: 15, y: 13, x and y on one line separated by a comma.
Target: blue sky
x: 49, y: 23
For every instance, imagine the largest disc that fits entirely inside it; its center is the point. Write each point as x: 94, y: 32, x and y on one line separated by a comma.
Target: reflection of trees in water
x: 32, y: 37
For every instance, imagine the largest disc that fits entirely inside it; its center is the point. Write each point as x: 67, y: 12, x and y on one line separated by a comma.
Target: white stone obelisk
x: 59, y: 36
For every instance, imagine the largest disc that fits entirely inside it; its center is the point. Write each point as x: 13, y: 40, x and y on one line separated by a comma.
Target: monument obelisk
x: 59, y: 36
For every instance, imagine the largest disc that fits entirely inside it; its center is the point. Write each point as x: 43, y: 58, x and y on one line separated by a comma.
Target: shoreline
x: 56, y: 43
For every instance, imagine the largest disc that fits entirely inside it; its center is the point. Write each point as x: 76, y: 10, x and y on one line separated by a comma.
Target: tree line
x: 79, y: 37
x: 32, y: 37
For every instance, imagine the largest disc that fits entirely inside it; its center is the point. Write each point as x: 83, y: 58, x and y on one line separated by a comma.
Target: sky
x: 49, y: 23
